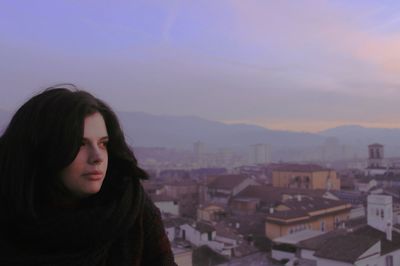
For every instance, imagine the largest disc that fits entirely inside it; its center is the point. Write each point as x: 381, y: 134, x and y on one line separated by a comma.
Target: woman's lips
x: 94, y: 176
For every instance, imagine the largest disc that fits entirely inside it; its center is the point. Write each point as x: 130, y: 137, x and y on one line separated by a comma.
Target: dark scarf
x: 104, y: 230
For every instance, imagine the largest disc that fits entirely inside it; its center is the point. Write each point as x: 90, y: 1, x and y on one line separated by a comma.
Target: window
x: 389, y: 260
x: 337, y: 222
x: 382, y: 214
x: 322, y: 226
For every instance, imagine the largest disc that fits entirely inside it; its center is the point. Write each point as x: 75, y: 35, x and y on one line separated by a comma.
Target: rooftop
x: 226, y: 181
x: 305, y: 207
x: 284, y: 167
x: 273, y: 195
x: 203, y: 227
x: 317, y: 241
x: 349, y: 246
x: 346, y: 248
x: 297, y: 237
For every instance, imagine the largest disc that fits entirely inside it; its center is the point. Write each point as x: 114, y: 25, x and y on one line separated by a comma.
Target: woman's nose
x: 96, y: 156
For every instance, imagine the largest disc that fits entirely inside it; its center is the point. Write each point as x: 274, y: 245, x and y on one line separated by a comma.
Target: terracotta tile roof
x: 312, y: 204
x: 346, y: 248
x: 182, y: 183
x: 299, y: 167
x: 305, y: 208
x: 273, y: 195
x: 248, y: 224
x: 228, y: 182
x: 315, y: 243
x: 225, y: 231
x: 386, y: 245
x: 290, y: 214
x: 203, y: 227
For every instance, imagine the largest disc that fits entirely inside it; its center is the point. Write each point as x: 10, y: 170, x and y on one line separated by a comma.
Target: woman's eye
x: 103, y: 144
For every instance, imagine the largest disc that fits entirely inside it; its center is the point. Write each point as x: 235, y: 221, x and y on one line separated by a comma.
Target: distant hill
x: 354, y: 134
x: 181, y: 132
x: 360, y: 137
x: 176, y: 131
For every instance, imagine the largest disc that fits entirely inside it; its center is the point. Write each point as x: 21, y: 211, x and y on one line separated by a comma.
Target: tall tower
x: 199, y: 152
x: 259, y: 154
x: 375, y: 155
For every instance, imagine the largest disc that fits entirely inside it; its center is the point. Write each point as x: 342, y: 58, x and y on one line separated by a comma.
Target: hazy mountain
x: 359, y: 138
x: 147, y: 130
x: 175, y: 131
x: 363, y: 135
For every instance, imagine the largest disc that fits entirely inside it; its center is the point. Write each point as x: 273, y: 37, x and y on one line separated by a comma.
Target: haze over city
x: 292, y: 65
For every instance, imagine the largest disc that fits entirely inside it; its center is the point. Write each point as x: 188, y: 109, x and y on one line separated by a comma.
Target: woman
x: 70, y: 188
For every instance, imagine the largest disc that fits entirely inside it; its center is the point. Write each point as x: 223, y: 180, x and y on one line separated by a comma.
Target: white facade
x: 170, y: 206
x: 357, y: 212
x: 374, y: 172
x: 198, y: 239
x: 380, y: 212
x: 170, y: 231
x: 365, y: 187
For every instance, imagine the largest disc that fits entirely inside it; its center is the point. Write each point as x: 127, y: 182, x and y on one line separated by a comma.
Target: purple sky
x: 298, y: 65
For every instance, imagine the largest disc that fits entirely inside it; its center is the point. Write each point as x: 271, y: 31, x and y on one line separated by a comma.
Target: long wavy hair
x: 44, y: 136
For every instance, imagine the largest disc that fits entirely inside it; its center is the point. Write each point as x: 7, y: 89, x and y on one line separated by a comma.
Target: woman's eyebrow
x: 101, y: 139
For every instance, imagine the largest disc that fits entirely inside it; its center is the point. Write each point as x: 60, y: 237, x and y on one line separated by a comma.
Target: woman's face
x: 85, y: 175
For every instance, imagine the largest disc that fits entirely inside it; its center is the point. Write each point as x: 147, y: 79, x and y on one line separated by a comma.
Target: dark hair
x: 44, y: 136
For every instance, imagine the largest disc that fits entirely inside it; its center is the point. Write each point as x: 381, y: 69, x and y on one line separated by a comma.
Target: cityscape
x: 221, y: 209
x: 270, y: 130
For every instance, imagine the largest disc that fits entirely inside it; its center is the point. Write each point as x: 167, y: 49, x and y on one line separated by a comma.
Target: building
x: 181, y: 248
x: 308, y: 176
x: 199, y: 149
x: 375, y: 155
x: 376, y: 164
x: 374, y: 244
x: 260, y: 198
x: 186, y: 193
x: 259, y: 154
x: 211, y: 212
x: 303, y: 213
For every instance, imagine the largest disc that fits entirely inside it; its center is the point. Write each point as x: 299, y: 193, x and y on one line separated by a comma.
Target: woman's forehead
x: 94, y: 126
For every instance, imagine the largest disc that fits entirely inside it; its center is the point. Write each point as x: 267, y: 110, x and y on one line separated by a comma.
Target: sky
x: 294, y: 65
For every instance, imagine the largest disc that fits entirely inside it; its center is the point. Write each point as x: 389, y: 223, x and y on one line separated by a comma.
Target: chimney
x: 389, y: 231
